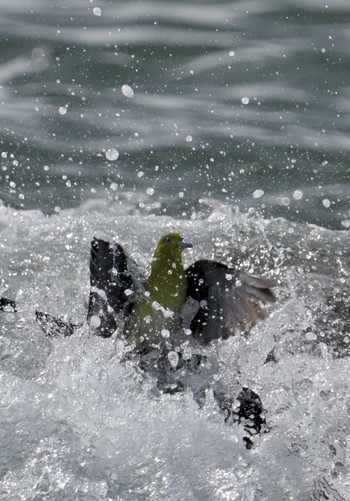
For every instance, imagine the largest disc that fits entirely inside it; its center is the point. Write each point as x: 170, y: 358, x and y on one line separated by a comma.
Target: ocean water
x: 243, y: 101
x: 228, y: 123
x: 81, y: 421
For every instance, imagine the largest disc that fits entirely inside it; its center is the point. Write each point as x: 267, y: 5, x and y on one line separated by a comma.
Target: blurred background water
x: 243, y: 101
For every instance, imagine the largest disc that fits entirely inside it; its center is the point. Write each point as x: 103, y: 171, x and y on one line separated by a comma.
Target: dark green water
x: 245, y: 102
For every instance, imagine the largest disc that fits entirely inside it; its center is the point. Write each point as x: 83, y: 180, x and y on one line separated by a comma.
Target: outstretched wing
x: 228, y: 304
x: 111, y: 285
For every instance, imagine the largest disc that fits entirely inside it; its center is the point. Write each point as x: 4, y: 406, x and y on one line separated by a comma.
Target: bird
x: 164, y: 293
x: 219, y: 300
x: 226, y: 302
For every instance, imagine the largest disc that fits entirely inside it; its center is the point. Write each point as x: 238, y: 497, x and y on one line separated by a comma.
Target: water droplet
x: 112, y: 154
x: 96, y: 11
x: 127, y: 91
x: 258, y: 193
x: 173, y: 358
x: 245, y: 100
x: 311, y: 336
x: 95, y: 321
x: 297, y: 195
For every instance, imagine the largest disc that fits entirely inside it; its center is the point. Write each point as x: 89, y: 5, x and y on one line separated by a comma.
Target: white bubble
x: 258, y: 193
x: 96, y: 11
x: 4, y: 154
x: 173, y: 358
x: 150, y: 191
x: 112, y: 154
x: 231, y: 53
x: 326, y: 203
x: 95, y: 322
x: 311, y: 336
x: 189, y: 138
x: 285, y: 201
x: 165, y: 333
x: 297, y: 195
x: 127, y: 91
x: 245, y: 100
x: 113, y: 186
x: 62, y: 110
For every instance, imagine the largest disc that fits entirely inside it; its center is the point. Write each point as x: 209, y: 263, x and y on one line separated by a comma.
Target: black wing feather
x: 110, y: 280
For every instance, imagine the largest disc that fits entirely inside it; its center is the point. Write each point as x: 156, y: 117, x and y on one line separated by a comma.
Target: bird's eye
x: 168, y: 240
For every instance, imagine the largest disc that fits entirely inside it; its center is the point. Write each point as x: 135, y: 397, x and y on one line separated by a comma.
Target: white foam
x: 80, y: 420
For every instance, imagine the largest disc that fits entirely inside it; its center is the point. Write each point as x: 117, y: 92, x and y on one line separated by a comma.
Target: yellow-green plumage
x: 164, y: 293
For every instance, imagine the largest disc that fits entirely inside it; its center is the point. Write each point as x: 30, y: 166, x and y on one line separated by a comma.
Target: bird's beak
x: 184, y: 245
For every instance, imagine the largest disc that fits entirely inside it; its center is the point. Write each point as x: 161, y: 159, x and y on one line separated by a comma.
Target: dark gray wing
x: 111, y: 287
x: 228, y: 304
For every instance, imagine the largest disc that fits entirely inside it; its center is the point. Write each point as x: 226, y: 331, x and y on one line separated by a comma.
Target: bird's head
x: 170, y: 247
